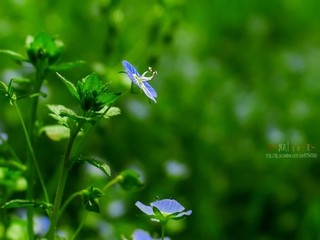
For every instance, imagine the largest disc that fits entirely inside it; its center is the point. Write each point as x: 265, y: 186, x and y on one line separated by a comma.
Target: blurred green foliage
x: 236, y: 81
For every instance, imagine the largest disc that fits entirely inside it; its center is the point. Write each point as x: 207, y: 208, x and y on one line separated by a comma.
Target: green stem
x: 112, y: 182
x: 10, y: 149
x: 68, y: 201
x: 80, y: 226
x: 63, y: 175
x: 32, y: 163
x: 3, y: 213
x: 163, y: 226
x: 33, y: 157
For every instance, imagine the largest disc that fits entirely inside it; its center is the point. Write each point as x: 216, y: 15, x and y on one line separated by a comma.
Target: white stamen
x: 145, y: 78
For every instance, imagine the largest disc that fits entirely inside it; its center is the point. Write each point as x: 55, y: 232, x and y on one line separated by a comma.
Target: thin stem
x: 15, y: 156
x: 40, y: 75
x: 79, y: 145
x: 80, y: 226
x: 33, y: 157
x: 163, y: 226
x: 63, y: 175
x: 68, y: 201
x: 112, y: 182
x: 3, y: 213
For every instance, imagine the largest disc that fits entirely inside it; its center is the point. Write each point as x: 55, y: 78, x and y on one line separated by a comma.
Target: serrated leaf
x: 21, y: 203
x: 63, y: 114
x: 56, y: 132
x: 60, y: 109
x: 112, y: 111
x: 108, y: 98
x: 71, y: 87
x: 91, y: 83
x: 56, y: 114
x: 66, y: 66
x: 90, y: 89
x: 94, y: 162
x: 16, y: 56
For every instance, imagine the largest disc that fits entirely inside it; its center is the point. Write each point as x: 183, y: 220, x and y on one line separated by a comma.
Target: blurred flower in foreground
x: 141, y: 80
x: 143, y: 235
x: 163, y: 210
x: 3, y: 137
x: 41, y: 225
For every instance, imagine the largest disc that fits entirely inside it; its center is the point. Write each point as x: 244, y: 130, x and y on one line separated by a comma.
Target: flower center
x: 144, y: 77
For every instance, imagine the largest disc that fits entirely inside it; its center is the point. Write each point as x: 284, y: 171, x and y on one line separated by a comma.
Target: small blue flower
x: 163, y: 210
x: 141, y: 80
x: 140, y: 234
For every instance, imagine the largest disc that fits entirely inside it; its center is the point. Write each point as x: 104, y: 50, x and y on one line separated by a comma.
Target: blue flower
x: 141, y: 80
x: 163, y: 210
x: 143, y: 235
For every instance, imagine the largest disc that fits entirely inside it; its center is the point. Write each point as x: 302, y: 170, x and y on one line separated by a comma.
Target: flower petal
x: 144, y: 208
x: 168, y: 206
x: 130, y: 70
x: 148, y: 91
x: 181, y: 214
x: 151, y: 90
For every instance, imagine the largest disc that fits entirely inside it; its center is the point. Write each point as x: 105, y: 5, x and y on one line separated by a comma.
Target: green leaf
x: 108, y: 98
x: 91, y: 83
x: 21, y: 203
x: 56, y: 132
x: 16, y: 56
x: 112, y: 111
x: 66, y: 66
x: 71, y: 87
x: 90, y: 89
x: 130, y: 180
x: 94, y: 162
x: 8, y: 92
x: 63, y: 115
x: 57, y: 111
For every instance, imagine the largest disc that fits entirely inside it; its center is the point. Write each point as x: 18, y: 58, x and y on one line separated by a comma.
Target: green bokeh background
x: 236, y: 81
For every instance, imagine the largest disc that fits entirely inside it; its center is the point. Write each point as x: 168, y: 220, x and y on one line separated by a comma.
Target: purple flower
x: 163, y: 210
x: 141, y: 80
